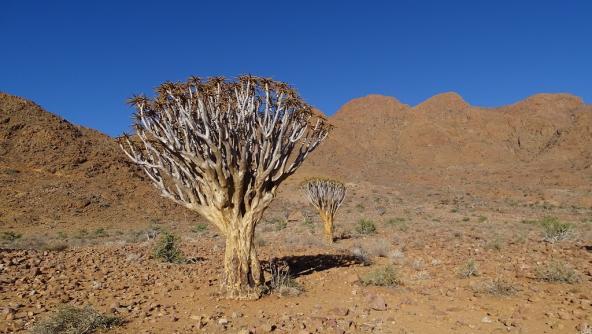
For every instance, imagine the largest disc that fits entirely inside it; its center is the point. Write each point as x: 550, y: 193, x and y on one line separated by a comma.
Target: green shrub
x: 10, y: 236
x: 100, y: 233
x: 386, y: 276
x: 399, y: 223
x: 199, y: 228
x: 308, y: 223
x: 280, y: 225
x: 558, y: 272
x: 366, y: 227
x: 166, y: 249
x: 73, y: 320
x: 555, y: 230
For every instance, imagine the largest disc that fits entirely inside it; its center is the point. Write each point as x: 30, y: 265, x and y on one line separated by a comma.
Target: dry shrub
x: 558, y: 272
x: 281, y: 281
x: 386, y: 276
x: 73, y: 320
x: 497, y: 287
x: 469, y: 269
x: 361, y: 255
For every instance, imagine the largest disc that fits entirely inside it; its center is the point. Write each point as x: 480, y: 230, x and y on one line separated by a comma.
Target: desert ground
x: 457, y: 219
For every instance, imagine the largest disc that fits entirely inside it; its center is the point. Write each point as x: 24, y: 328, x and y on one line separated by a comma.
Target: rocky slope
x: 53, y: 172
x: 538, y: 150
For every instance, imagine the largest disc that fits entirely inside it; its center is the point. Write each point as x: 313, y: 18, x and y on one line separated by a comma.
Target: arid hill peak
x: 374, y: 103
x: 449, y: 101
x: 558, y: 102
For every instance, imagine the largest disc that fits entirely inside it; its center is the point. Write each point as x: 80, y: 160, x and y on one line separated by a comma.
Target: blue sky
x: 82, y: 59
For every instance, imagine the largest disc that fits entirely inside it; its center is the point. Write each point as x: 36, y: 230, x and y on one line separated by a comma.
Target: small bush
x: 469, y: 269
x: 361, y: 255
x: 166, y: 249
x: 498, y: 287
x: 281, y: 281
x: 398, y: 223
x: 495, y: 244
x: 308, y: 223
x: 482, y: 219
x: 56, y: 246
x: 386, y: 276
x: 558, y: 272
x: 199, y: 228
x: 82, y: 234
x: 380, y: 248
x: 72, y: 320
x: 280, y: 225
x: 366, y: 227
x: 555, y: 230
x: 10, y: 236
x: 100, y: 233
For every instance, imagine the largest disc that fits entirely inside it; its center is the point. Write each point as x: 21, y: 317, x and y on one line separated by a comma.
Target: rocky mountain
x: 537, y: 150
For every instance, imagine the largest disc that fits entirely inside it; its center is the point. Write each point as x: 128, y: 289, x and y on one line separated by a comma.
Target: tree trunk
x: 242, y: 271
x: 328, y: 224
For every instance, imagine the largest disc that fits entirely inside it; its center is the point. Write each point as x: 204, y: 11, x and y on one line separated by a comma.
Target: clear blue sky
x: 82, y: 59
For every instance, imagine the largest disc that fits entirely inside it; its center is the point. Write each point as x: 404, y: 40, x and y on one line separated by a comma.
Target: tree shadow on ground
x: 301, y: 265
x: 588, y: 248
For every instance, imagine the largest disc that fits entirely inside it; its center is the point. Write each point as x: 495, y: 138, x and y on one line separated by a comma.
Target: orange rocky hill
x: 53, y: 172
x: 536, y: 151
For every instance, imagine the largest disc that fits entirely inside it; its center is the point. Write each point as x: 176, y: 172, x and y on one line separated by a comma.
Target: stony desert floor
x: 429, y: 241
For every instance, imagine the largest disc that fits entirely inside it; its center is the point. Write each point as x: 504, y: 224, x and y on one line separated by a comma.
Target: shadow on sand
x: 301, y: 265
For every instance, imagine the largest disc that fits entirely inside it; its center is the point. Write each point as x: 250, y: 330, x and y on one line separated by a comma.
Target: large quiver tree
x: 221, y: 148
x: 326, y: 196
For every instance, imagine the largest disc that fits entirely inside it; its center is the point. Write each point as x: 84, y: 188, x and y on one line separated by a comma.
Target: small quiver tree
x: 221, y: 148
x: 326, y: 195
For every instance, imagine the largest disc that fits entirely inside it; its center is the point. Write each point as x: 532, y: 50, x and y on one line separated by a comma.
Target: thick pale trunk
x: 328, y: 226
x: 242, y: 271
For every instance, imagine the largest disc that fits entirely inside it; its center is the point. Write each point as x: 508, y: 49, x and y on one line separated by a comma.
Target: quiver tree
x: 221, y: 148
x: 325, y: 195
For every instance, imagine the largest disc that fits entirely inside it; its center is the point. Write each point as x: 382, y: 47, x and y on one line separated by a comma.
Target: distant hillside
x: 526, y: 150
x: 53, y: 172
x: 537, y: 151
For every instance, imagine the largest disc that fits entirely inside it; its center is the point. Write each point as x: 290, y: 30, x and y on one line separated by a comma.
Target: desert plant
x: 308, y: 223
x: 497, y: 287
x: 326, y: 196
x: 558, y: 272
x: 469, y: 269
x: 380, y: 248
x: 73, y: 320
x: 281, y: 224
x: 281, y: 281
x: 554, y: 230
x: 399, y: 223
x: 361, y: 255
x: 199, y: 228
x: 100, y: 233
x: 386, y: 276
x: 10, y: 236
x: 222, y: 148
x: 366, y: 227
x: 495, y: 243
x: 166, y: 249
